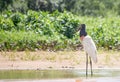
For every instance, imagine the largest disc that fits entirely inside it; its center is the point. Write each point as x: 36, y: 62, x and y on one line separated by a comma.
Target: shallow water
x: 57, y: 74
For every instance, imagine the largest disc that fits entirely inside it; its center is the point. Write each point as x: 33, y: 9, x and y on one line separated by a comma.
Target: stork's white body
x: 90, y: 48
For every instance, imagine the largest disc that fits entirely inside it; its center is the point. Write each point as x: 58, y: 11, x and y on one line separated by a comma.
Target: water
x: 56, y: 74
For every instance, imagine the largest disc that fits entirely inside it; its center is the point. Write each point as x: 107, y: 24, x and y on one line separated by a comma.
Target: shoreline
x: 41, y: 65
x: 59, y: 69
x: 42, y: 60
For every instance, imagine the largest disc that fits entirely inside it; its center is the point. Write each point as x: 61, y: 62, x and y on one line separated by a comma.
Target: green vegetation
x: 55, y: 31
x: 52, y: 24
x: 37, y: 30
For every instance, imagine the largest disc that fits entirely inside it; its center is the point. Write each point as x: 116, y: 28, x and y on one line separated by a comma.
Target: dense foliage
x: 37, y: 30
x: 55, y: 31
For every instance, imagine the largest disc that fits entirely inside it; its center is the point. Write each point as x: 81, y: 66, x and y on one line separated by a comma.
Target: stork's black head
x: 83, y: 30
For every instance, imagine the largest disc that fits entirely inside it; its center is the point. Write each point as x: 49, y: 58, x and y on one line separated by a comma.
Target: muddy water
x: 32, y: 75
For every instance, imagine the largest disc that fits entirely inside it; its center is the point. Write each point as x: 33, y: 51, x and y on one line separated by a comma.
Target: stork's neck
x: 82, y: 37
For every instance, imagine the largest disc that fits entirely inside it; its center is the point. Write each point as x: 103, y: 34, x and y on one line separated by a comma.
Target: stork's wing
x: 90, y: 48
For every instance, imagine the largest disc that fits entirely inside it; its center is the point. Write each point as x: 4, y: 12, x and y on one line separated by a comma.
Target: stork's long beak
x: 79, y: 28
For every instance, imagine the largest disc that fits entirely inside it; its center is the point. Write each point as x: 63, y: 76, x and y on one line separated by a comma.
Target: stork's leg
x: 86, y: 65
x: 91, y: 67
